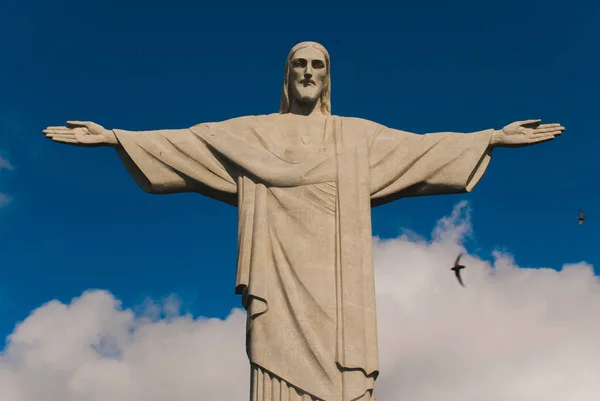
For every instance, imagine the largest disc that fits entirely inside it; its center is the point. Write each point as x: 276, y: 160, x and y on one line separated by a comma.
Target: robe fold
x: 304, y: 187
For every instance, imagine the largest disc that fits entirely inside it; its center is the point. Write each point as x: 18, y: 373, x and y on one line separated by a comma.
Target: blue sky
x: 78, y: 220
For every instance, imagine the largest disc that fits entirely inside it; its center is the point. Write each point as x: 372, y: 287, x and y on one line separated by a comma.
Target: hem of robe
x: 353, y: 383
x: 479, y: 170
x: 267, y: 386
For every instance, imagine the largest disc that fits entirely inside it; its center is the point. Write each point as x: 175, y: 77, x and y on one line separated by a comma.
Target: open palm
x: 528, y: 132
x: 81, y: 133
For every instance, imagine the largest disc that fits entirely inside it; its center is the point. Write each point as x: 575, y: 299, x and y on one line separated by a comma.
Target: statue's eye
x: 318, y: 64
x: 299, y: 63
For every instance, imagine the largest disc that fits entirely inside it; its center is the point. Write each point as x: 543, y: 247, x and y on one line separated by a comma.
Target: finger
x: 553, y: 134
x: 551, y: 126
x: 538, y: 131
x: 64, y: 131
x: 530, y: 122
x: 542, y: 139
x: 54, y: 133
x: 68, y: 131
x: 61, y: 136
x: 55, y: 127
x: 74, y: 124
x: 65, y: 140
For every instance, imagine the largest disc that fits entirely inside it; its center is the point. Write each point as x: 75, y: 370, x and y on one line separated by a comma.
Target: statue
x: 304, y: 182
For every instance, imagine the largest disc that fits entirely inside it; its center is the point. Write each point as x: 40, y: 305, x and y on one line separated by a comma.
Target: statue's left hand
x: 525, y: 133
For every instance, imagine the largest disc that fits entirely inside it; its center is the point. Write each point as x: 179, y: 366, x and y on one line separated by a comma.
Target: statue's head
x: 307, y: 77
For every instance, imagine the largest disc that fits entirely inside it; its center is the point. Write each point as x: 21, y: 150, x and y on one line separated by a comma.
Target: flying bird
x: 457, y: 268
x: 581, y: 217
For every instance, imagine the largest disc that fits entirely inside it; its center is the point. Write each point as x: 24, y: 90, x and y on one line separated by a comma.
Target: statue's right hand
x: 82, y: 133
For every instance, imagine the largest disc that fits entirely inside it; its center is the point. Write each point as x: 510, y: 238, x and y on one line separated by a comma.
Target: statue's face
x: 307, y: 74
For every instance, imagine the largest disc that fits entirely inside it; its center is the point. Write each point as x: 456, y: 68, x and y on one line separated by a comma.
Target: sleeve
x: 172, y: 161
x: 403, y: 164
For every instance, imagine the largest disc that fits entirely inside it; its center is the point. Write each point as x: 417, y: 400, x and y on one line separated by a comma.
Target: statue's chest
x: 304, y: 140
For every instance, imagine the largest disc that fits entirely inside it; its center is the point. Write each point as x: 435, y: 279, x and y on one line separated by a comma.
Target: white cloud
x: 4, y: 163
x: 512, y: 334
x: 95, y: 351
x: 4, y: 199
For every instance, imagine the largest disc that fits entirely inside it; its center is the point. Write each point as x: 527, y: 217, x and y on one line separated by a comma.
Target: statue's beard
x: 307, y: 100
x: 304, y: 97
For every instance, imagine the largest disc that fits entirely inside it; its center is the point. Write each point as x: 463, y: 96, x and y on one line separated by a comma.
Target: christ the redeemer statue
x: 304, y: 182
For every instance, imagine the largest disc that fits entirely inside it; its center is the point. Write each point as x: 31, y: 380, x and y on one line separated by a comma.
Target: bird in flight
x: 581, y: 217
x: 457, y: 268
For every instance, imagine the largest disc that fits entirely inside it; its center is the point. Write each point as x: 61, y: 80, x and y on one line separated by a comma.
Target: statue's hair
x: 284, y: 106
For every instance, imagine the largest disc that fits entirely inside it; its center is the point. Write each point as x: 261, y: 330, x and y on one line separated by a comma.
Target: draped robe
x: 304, y: 186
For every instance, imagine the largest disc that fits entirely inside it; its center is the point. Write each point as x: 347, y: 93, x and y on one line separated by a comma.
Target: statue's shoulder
x: 358, y: 120
x: 235, y: 122
x: 361, y: 125
x: 249, y: 119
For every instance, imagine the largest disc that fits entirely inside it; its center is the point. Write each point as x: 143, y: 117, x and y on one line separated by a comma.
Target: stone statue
x: 304, y: 182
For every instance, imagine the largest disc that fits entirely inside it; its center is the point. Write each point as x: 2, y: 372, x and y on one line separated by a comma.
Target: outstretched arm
x: 403, y: 164
x: 161, y: 162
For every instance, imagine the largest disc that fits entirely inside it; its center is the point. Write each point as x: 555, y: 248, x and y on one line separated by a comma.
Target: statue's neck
x: 306, y: 109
